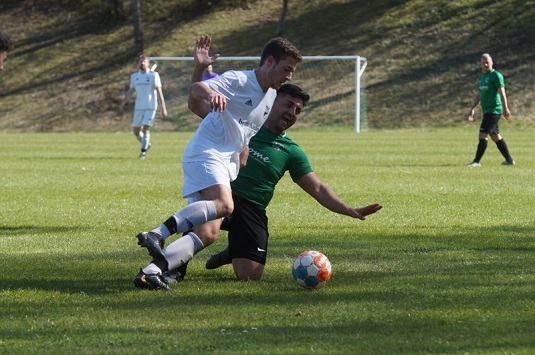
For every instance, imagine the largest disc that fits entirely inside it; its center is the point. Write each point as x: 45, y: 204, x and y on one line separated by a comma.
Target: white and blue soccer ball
x: 311, y: 269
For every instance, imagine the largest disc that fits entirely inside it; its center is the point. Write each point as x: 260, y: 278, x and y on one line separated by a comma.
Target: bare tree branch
x: 138, y: 33
x: 282, y: 22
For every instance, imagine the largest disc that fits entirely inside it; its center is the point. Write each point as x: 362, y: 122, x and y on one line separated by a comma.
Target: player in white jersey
x: 235, y: 104
x: 222, y: 135
x: 148, y: 88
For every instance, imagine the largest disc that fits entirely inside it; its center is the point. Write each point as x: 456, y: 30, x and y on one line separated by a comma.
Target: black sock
x: 502, y: 147
x: 182, y: 269
x: 161, y: 264
x: 171, y: 225
x: 225, y: 256
x: 481, y: 147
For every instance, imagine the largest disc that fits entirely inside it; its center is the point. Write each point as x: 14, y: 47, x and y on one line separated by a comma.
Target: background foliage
x: 71, y: 65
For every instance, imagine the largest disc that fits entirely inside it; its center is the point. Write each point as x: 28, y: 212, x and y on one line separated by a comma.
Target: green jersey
x: 270, y: 156
x: 489, y: 83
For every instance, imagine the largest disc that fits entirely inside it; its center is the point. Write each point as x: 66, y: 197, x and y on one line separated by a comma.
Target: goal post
x: 334, y: 83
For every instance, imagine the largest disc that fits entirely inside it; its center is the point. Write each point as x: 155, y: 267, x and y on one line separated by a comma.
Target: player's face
x: 143, y: 64
x: 3, y: 56
x: 486, y: 64
x: 281, y: 72
x: 286, y: 110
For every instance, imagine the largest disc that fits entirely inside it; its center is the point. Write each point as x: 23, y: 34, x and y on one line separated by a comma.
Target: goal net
x: 334, y: 83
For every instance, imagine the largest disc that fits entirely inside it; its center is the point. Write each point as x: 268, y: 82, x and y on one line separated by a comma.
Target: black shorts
x: 248, y: 231
x: 489, y: 124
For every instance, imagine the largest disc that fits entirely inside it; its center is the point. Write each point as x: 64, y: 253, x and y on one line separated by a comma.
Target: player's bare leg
x: 246, y: 269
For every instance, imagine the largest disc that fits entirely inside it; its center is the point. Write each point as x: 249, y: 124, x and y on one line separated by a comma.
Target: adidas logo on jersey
x: 249, y: 102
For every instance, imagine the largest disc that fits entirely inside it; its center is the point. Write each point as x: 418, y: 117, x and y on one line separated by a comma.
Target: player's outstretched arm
x: 201, y: 54
x: 328, y: 198
x: 201, y: 59
x: 368, y: 210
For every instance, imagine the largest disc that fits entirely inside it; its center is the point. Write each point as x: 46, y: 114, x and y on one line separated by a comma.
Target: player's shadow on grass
x: 10, y: 231
x: 85, y: 271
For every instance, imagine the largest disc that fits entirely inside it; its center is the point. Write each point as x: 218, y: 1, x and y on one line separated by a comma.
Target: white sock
x: 182, y: 250
x: 163, y: 231
x: 152, y: 269
x: 145, y: 142
x: 192, y: 215
x: 140, y: 137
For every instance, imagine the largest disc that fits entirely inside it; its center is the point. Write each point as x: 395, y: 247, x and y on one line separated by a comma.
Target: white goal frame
x: 360, y: 66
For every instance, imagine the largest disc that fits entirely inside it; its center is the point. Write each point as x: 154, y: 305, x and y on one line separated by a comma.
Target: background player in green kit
x: 493, y: 100
x: 271, y: 154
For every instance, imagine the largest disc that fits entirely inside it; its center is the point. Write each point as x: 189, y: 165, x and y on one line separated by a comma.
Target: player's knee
x: 207, y: 233
x: 248, y: 276
x: 249, y: 271
x: 225, y: 208
x: 208, y: 238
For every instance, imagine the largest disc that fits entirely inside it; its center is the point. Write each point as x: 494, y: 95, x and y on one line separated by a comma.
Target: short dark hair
x: 294, y: 91
x: 280, y: 48
x: 5, y: 42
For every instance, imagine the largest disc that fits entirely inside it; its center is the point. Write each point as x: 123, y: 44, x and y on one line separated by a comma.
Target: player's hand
x: 201, y: 53
x: 368, y: 210
x: 470, y: 116
x: 164, y: 112
x: 506, y: 113
x: 243, y: 157
x: 218, y: 102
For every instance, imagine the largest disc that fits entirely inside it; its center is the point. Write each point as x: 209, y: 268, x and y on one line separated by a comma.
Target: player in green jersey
x: 493, y: 100
x: 272, y: 153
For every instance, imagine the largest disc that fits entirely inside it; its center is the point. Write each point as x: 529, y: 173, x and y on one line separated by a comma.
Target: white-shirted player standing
x: 237, y: 103
x: 148, y: 88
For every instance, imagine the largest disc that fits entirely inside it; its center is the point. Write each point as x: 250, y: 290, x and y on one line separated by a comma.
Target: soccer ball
x: 311, y: 269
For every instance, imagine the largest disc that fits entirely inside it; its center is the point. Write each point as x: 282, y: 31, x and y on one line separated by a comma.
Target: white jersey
x: 222, y: 136
x: 145, y: 85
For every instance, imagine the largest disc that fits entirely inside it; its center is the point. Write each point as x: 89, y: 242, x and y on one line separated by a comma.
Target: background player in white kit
x: 148, y: 88
x: 240, y: 102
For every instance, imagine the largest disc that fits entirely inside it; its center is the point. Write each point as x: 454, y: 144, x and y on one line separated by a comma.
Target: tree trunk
x: 282, y: 23
x: 138, y: 33
x: 118, y: 9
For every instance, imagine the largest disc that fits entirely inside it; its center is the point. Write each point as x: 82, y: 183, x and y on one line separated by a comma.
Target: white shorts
x: 143, y: 117
x: 203, y: 174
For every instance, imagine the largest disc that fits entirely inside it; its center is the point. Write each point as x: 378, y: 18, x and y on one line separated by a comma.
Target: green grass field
x: 446, y: 267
